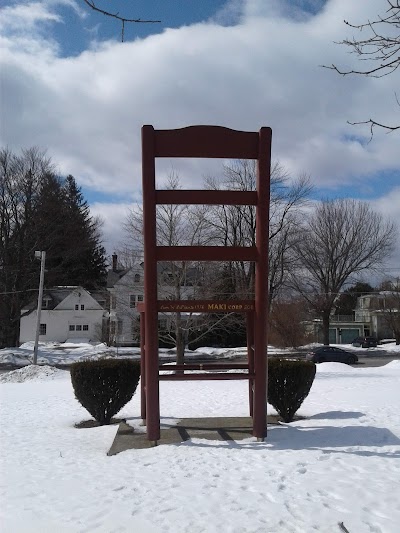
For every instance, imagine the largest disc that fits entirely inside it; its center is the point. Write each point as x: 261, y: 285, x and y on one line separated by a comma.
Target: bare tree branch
x: 381, y: 46
x: 373, y: 123
x: 117, y: 16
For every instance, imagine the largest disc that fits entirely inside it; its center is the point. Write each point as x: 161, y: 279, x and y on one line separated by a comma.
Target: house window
x: 137, y: 278
x: 71, y: 327
x: 76, y: 307
x: 85, y: 327
x: 82, y: 307
x: 42, y: 329
x: 132, y: 301
x: 78, y: 327
x: 113, y: 301
x: 140, y: 298
x: 112, y: 328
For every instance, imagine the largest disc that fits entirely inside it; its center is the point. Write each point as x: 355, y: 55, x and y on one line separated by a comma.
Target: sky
x: 70, y: 86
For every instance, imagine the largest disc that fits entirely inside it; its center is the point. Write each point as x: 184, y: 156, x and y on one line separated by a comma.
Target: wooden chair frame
x: 205, y: 142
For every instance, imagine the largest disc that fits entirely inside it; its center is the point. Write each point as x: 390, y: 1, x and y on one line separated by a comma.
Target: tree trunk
x: 180, y: 340
x: 325, y: 328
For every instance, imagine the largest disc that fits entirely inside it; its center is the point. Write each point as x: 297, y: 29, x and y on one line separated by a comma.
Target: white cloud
x: 265, y: 70
x: 24, y: 27
x: 113, y: 216
x: 389, y: 207
x: 25, y: 17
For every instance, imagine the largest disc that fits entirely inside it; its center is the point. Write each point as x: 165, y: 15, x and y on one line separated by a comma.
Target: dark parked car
x: 325, y: 354
x: 365, y: 342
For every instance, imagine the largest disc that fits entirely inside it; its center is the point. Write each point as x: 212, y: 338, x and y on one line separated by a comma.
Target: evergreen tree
x: 92, y: 269
x: 347, y: 301
x: 70, y: 235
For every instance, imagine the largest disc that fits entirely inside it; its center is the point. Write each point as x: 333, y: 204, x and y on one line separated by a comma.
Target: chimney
x: 114, y: 262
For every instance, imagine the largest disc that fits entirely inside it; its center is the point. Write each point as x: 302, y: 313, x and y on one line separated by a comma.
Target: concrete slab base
x: 220, y: 428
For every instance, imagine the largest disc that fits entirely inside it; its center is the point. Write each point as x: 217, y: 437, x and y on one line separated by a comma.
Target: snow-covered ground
x: 340, y: 464
x: 55, y: 353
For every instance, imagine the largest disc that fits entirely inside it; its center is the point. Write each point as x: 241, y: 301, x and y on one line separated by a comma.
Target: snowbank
x: 32, y: 372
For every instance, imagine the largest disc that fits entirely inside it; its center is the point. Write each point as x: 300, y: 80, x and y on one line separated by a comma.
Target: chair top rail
x: 206, y: 142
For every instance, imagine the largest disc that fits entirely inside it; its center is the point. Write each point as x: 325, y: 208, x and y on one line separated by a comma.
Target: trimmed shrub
x: 103, y: 387
x: 289, y: 383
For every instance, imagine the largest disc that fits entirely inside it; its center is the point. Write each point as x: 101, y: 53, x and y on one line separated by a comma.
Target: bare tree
x: 178, y: 225
x: 236, y: 225
x: 122, y: 19
x: 287, y: 323
x: 340, y: 238
x: 378, y: 49
x: 20, y: 178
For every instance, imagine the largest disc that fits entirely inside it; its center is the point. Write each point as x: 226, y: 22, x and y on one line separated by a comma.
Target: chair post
x: 261, y: 284
x: 142, y: 368
x: 150, y: 284
x: 250, y: 356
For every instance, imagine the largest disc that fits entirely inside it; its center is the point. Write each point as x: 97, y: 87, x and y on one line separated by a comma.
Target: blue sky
x: 70, y: 86
x: 75, y: 35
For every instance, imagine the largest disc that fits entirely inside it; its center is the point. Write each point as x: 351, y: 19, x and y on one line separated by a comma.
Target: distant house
x: 376, y: 314
x: 67, y: 313
x: 379, y: 311
x: 343, y: 329
x: 126, y: 289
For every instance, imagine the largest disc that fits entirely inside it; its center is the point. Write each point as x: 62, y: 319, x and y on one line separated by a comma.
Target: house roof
x: 163, y: 268
x: 113, y: 276
x: 56, y: 295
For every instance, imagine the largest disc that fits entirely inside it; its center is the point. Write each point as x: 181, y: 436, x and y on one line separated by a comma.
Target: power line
x: 16, y: 292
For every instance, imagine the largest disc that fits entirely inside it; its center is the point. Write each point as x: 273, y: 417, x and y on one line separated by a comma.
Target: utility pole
x: 42, y: 257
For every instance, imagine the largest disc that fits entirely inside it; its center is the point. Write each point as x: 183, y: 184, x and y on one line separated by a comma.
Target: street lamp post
x: 42, y: 257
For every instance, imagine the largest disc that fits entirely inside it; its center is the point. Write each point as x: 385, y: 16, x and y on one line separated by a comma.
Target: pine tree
x: 70, y: 235
x: 90, y: 266
x: 347, y: 301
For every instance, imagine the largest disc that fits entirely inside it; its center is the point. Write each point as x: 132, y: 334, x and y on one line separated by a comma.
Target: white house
x: 376, y: 314
x: 377, y: 310
x: 67, y: 313
x: 126, y: 288
x: 126, y: 291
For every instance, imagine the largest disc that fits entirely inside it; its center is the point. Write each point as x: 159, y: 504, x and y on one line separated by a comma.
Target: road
x: 364, y: 361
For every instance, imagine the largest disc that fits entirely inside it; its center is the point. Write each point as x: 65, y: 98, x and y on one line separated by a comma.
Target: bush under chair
x: 104, y: 386
x: 289, y: 383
